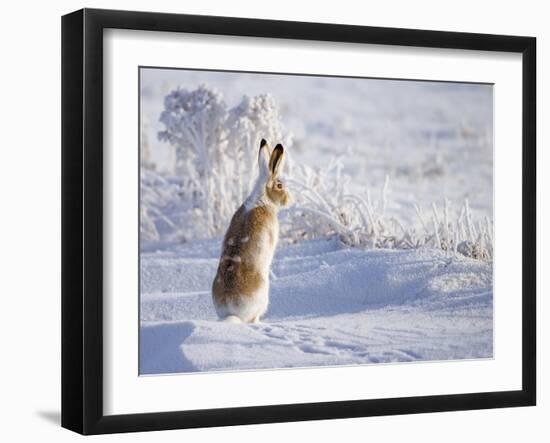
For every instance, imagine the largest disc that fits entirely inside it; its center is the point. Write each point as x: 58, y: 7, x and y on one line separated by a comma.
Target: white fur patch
x: 232, y: 319
x: 235, y: 258
x: 248, y: 309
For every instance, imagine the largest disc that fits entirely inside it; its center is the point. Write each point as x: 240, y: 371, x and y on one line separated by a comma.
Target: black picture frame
x: 82, y: 220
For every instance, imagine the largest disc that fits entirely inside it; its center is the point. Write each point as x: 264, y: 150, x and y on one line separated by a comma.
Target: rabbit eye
x: 279, y: 185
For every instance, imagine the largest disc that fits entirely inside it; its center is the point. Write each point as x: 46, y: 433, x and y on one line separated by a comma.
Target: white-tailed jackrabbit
x: 241, y: 287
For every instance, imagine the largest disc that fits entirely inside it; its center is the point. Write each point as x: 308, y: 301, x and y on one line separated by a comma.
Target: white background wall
x: 30, y: 223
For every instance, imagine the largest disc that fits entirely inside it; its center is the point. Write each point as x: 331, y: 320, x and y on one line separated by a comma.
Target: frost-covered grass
x: 214, y: 165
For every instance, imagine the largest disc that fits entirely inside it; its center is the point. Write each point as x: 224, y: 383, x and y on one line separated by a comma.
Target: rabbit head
x: 270, y: 185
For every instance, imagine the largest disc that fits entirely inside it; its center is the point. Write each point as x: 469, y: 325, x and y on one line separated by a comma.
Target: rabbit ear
x: 263, y: 160
x: 276, y: 160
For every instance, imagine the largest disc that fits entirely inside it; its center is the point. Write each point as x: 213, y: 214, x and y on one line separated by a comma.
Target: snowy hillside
x: 329, y: 305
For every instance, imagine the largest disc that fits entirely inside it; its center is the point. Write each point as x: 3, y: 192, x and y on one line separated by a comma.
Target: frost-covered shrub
x: 145, y: 146
x: 195, y: 126
x: 324, y: 207
x: 215, y: 148
x: 251, y: 120
x: 168, y: 207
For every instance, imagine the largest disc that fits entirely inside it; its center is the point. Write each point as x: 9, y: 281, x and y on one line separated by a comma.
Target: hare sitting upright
x: 240, y: 290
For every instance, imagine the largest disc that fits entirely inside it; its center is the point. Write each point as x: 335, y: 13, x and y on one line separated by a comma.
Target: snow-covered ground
x: 332, y: 304
x: 329, y: 305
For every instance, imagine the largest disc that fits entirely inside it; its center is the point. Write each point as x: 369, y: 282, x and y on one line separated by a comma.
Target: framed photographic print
x: 269, y: 221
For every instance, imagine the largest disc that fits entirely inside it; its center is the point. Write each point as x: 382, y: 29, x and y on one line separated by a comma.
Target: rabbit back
x: 241, y: 285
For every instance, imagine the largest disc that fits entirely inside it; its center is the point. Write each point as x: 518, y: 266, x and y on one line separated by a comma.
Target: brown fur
x: 236, y: 278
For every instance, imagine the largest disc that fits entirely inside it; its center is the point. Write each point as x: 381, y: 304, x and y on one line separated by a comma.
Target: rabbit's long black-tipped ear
x: 263, y: 159
x: 276, y: 160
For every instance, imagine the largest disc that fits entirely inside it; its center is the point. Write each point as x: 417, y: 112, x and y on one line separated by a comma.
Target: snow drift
x: 329, y: 305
